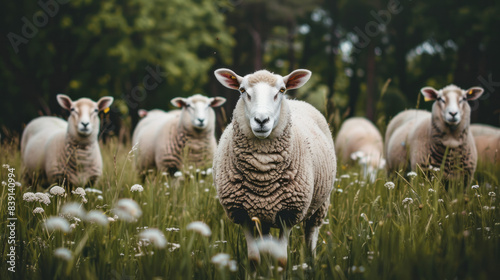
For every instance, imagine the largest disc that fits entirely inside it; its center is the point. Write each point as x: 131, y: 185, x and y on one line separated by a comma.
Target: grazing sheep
x: 487, y: 139
x: 55, y: 149
x: 164, y: 137
x: 359, y: 140
x: 423, y: 138
x: 275, y: 163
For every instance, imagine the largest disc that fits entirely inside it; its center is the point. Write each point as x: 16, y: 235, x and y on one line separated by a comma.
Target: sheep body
x: 487, y: 139
x: 164, y: 137
x: 275, y: 161
x: 426, y: 139
x: 359, y: 138
x: 55, y: 149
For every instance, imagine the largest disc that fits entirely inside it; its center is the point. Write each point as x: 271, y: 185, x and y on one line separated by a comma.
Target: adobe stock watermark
x: 373, y: 28
x: 489, y: 87
x: 40, y: 19
x: 11, y: 218
x: 140, y: 92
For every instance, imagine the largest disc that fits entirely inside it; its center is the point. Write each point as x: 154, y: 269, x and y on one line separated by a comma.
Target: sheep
x: 359, y: 140
x: 54, y: 150
x: 423, y: 138
x: 487, y: 139
x: 276, y: 162
x: 163, y: 137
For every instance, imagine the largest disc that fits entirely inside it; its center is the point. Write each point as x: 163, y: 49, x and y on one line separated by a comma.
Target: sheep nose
x: 85, y: 124
x: 201, y: 120
x: 453, y: 114
x: 261, y: 122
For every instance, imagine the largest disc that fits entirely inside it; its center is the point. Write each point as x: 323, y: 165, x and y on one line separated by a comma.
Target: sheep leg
x: 284, y: 236
x: 312, y: 226
x: 253, y: 250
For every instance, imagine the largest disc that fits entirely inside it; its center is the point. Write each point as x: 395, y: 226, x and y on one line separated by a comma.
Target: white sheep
x: 275, y: 163
x: 56, y: 149
x: 358, y: 140
x: 423, y: 138
x: 165, y: 138
x: 487, y: 139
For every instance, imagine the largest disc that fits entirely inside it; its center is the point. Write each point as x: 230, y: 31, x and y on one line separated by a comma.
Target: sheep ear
x: 142, y: 113
x: 429, y: 93
x: 297, y: 78
x: 104, y: 102
x: 217, y: 101
x: 178, y: 102
x: 64, y: 101
x: 474, y: 93
x: 228, y: 78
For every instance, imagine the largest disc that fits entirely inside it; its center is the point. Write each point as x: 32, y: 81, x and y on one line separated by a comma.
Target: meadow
x: 402, y: 226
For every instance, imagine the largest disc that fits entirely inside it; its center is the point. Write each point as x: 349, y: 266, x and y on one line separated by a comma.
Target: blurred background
x: 368, y: 58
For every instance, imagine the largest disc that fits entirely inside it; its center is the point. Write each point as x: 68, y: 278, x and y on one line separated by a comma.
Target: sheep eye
x: 242, y: 90
x: 188, y: 105
x: 72, y: 109
x: 440, y: 99
x: 96, y: 110
x: 282, y: 90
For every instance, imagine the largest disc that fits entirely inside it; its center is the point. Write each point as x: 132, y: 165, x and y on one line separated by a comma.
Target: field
x: 411, y: 229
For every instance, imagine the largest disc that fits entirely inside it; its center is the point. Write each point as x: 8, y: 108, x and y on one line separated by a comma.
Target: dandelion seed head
x: 57, y: 190
x: 57, y: 224
x: 63, y: 254
x: 136, y: 188
x: 200, y: 227
x: 97, y: 217
x: 155, y: 236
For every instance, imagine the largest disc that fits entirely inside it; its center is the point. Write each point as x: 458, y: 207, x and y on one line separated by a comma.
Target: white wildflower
x: 233, y: 266
x: 389, y: 185
x: 436, y: 169
x: 4, y: 183
x: 209, y: 171
x: 97, y: 217
x: 127, y: 209
x: 57, y: 223
x: 57, y: 190
x: 72, y: 227
x: 29, y: 197
x: 155, y: 236
x: 272, y: 247
x: 111, y: 219
x: 136, y: 188
x: 173, y: 246
x: 199, y: 227
x: 73, y: 209
x: 80, y: 192
x: 43, y: 198
x: 177, y: 174
x: 407, y: 200
x: 172, y: 229
x: 363, y: 215
x: 99, y: 197
x: 5, y: 165
x: 92, y: 190
x: 357, y: 155
x: 431, y: 190
x: 492, y: 194
x: 475, y: 187
x: 412, y: 174
x: 221, y: 260
x: 345, y: 176
x: 340, y: 190
x: 38, y: 210
x: 63, y: 253
x: 18, y: 184
x: 441, y: 200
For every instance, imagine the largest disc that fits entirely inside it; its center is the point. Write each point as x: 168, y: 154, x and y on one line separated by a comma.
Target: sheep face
x: 83, y: 121
x: 451, y: 103
x: 262, y: 93
x: 198, y: 108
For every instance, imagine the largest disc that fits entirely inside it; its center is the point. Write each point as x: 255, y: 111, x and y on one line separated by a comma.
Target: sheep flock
x: 275, y: 163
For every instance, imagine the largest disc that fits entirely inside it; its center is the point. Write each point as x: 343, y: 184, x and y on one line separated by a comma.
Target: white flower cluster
x: 389, y: 185
x: 199, y: 227
x: 222, y: 260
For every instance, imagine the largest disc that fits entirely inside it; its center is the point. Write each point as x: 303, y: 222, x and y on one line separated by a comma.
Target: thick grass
x: 369, y: 232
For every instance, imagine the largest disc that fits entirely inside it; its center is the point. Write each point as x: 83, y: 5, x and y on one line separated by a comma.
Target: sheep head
x: 451, y: 105
x: 262, y: 93
x: 198, y: 109
x: 83, y: 121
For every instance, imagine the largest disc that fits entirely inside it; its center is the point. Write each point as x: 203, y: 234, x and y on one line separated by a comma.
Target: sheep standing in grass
x: 360, y: 141
x: 423, y: 138
x: 164, y: 137
x: 55, y: 149
x: 487, y: 139
x: 276, y: 160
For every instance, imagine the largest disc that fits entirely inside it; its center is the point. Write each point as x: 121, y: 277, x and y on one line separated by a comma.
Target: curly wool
x: 287, y: 176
